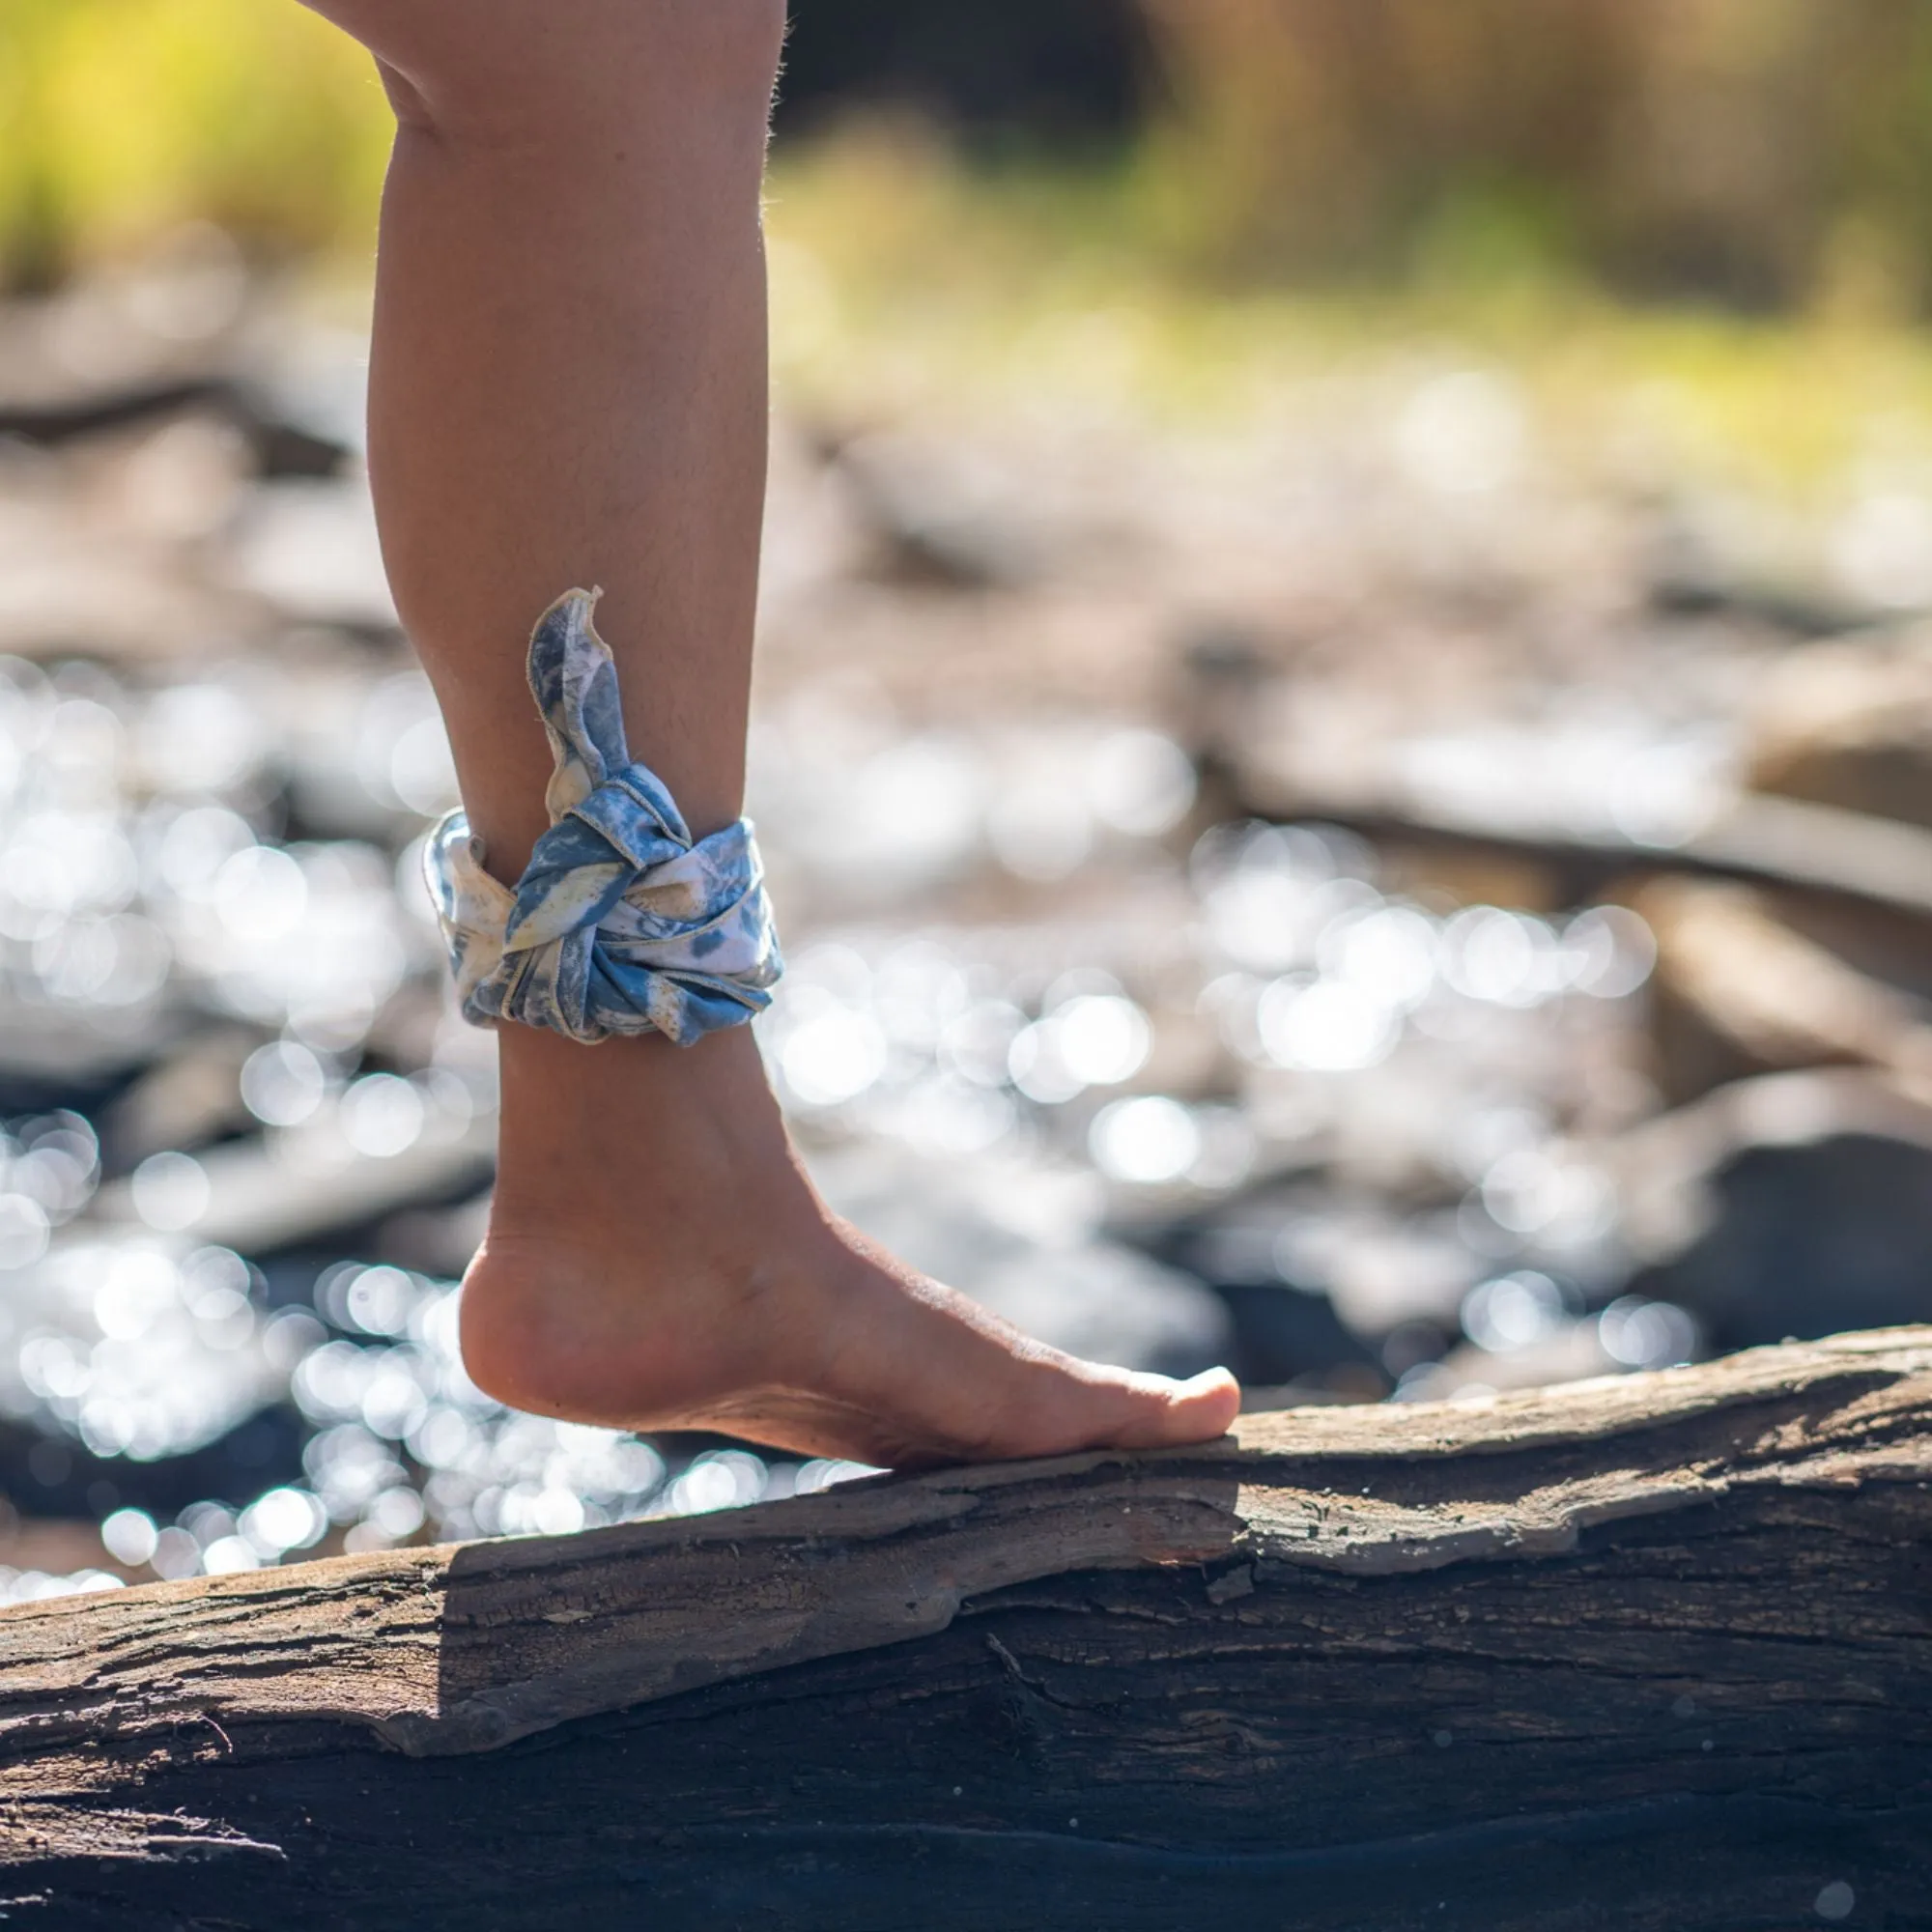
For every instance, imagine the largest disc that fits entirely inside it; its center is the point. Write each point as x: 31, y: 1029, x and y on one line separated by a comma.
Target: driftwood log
x: 1642, y: 1653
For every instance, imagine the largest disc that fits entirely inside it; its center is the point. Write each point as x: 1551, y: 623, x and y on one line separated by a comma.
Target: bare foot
x: 657, y: 1260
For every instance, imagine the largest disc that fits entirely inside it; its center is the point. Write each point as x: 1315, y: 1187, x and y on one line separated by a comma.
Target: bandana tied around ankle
x: 622, y: 922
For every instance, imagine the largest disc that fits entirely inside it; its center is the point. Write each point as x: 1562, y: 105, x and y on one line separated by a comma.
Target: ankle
x: 569, y: 1109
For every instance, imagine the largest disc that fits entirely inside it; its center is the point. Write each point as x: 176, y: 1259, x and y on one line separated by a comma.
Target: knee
x: 537, y: 73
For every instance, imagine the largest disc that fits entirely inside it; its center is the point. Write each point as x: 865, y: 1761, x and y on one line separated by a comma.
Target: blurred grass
x: 906, y: 283
x: 1751, y: 151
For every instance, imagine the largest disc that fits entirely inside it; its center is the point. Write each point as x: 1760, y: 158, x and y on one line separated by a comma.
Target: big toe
x: 1165, y: 1414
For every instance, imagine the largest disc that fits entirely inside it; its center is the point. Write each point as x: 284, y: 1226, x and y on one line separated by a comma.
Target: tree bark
x: 1649, y: 1652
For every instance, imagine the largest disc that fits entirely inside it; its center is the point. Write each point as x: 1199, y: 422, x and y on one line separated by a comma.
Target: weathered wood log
x: 1643, y: 1653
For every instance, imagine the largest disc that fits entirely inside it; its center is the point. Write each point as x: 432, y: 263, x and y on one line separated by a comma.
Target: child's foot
x: 657, y: 1260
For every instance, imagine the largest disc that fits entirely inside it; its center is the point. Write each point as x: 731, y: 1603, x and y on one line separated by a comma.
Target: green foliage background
x: 120, y: 118
x: 1755, y: 153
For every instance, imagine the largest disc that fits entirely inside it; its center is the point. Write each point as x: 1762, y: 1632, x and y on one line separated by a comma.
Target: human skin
x: 568, y: 386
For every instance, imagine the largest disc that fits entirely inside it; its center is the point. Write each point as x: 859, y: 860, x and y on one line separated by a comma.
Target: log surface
x: 1647, y: 1651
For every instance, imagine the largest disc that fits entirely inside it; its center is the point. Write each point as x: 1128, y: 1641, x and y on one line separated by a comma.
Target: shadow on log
x: 1642, y: 1653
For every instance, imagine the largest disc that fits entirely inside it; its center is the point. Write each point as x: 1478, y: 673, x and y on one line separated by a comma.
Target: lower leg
x: 568, y: 386
x: 568, y: 378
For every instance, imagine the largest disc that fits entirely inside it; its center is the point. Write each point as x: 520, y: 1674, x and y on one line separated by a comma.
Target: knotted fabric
x: 622, y: 922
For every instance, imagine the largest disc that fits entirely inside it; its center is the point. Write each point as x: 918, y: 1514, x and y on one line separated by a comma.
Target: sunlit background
x: 1344, y: 730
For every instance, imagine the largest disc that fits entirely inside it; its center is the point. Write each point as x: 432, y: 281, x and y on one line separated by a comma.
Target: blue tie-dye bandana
x: 621, y: 922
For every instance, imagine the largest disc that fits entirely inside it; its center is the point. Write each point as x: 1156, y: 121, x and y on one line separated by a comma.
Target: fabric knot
x: 622, y: 922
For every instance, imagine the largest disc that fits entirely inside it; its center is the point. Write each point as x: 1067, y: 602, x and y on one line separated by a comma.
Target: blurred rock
x: 1850, y: 724
x: 1023, y: 1246
x: 310, y: 547
x: 1798, y: 1204
x: 439, y: 1241
x: 1319, y: 1285
x: 278, y: 446
x: 61, y: 593
x: 1739, y: 992
x: 259, y: 1196
x: 55, y: 1547
x: 1694, y: 573
x: 1570, y: 1353
x: 1110, y: 1304
x: 937, y: 520
x: 190, y: 1096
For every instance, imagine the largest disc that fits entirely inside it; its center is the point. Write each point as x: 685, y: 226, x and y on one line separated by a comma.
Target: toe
x: 1168, y: 1412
